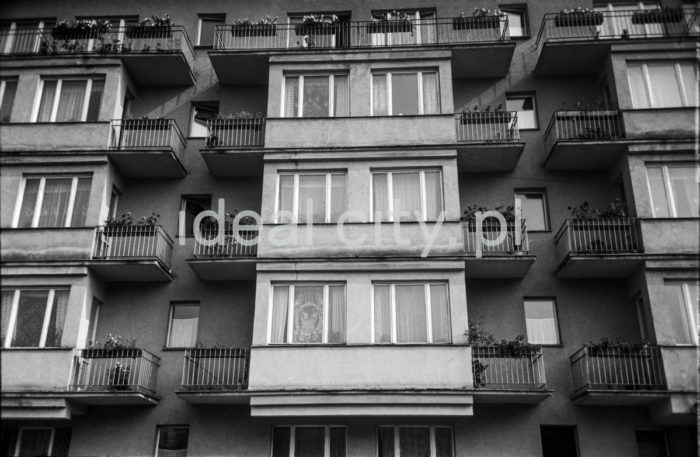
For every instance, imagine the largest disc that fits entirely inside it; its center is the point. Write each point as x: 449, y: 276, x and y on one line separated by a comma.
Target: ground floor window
x: 409, y: 441
x: 308, y: 441
x: 35, y: 440
x: 171, y: 440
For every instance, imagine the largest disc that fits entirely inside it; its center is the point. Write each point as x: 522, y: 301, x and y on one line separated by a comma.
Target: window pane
x: 690, y: 83
x: 80, y: 205
x: 640, y: 99
x: 70, y: 103
x: 280, y: 306
x: 35, y: 442
x: 93, y: 112
x: 8, y: 100
x: 312, y: 198
x: 443, y: 442
x: 380, y: 197
x: 659, y: 197
x: 57, y: 319
x: 286, y: 198
x: 678, y: 315
x: 685, y: 191
x: 336, y: 314
x: 291, y: 98
x: 525, y: 106
x: 433, y: 194
x: 380, y: 102
x: 385, y: 442
x: 411, y: 324
x: 342, y: 96
x: 30, y: 318
x: 280, y: 441
x: 431, y: 100
x: 316, y: 96
x: 414, y: 441
x: 382, y: 314
x: 46, y: 103
x: 308, y: 314
x: 337, y: 445
x: 309, y: 441
x: 516, y: 24
x: 664, y: 86
x: 26, y: 214
x: 559, y: 441
x: 55, y: 205
x: 172, y: 441
x: 404, y: 94
x: 440, y: 313
x: 533, y: 211
x: 407, y: 198
x: 541, y: 322
x: 183, y: 326
x: 338, y: 196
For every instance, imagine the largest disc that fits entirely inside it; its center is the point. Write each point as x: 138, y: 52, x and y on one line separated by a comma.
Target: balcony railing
x: 595, y: 368
x: 230, y: 248
x: 118, y: 370
x: 133, y: 243
x: 216, y: 369
x: 583, y: 126
x: 487, y: 126
x: 491, y: 229
x: 599, y: 236
x: 497, y: 368
x: 365, y: 34
x: 618, y: 25
x: 140, y: 134
x: 235, y: 133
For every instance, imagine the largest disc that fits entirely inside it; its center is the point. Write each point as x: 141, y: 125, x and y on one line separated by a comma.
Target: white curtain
x: 541, y: 322
x: 382, y: 314
x: 336, y: 314
x: 308, y: 314
x: 440, y: 313
x: 184, y: 325
x: 286, y: 197
x: 685, y: 190
x: 342, y: 96
x: 312, y: 197
x: 380, y: 196
x: 280, y: 304
x: 689, y: 75
x: 664, y: 85
x: 58, y: 318
x: 380, y: 105
x: 659, y: 198
x: 5, y: 310
x: 678, y: 315
x: 431, y: 103
x: 316, y: 96
x: 26, y: 214
x: 407, y: 197
x: 80, y: 205
x: 433, y: 194
x: 338, y: 196
x: 70, y: 104
x: 46, y: 104
x: 291, y: 98
x: 640, y: 99
x: 30, y: 318
x: 55, y: 204
x: 411, y: 319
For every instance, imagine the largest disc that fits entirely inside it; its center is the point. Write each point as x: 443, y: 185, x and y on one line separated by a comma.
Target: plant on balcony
x: 240, y: 120
x: 80, y: 29
x: 615, y: 210
x: 151, y: 27
x: 658, y: 16
x: 126, y: 225
x: 318, y: 24
x: 113, y: 47
x: 390, y: 22
x: 266, y: 26
x: 606, y: 347
x: 578, y: 17
x: 469, y: 213
x: 485, y: 115
x: 481, y: 18
x: 111, y: 344
x: 607, y: 230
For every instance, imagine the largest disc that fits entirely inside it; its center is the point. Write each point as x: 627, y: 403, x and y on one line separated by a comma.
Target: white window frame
x: 690, y: 312
x: 433, y: 444
x: 555, y: 316
x: 647, y: 82
x: 295, y: 203
x: 201, y: 18
x: 170, y: 321
x: 40, y: 198
x: 326, y: 439
x: 300, y: 103
x: 671, y: 196
x: 428, y: 310
x: 12, y: 321
x: 18, y: 445
x: 389, y: 96
x: 289, y: 337
x: 390, y: 191
x: 159, y: 426
x: 57, y: 96
x: 535, y: 109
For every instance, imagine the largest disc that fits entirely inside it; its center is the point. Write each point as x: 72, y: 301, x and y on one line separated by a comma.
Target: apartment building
x: 377, y: 129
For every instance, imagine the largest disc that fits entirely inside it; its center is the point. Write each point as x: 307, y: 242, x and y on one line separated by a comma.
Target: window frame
x: 40, y: 198
x: 644, y: 66
x: 397, y: 443
x: 160, y: 426
x: 555, y: 316
x: 300, y: 104
x: 57, y: 96
x: 193, y: 111
x: 12, y: 319
x: 41, y: 25
x: 519, y: 193
x: 171, y: 313
x: 3, y: 87
x: 326, y: 439
x: 389, y: 95
x: 521, y: 9
x: 535, y: 107
x: 390, y: 192
x: 219, y: 18
x: 295, y: 196
x: 18, y: 445
x: 670, y: 195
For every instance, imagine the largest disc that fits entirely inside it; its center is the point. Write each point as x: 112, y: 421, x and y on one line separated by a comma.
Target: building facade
x: 370, y: 137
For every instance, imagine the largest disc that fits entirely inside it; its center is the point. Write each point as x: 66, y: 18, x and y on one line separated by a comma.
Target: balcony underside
x: 482, y: 61
x: 619, y: 397
x: 599, y: 266
x: 505, y: 266
x: 489, y: 156
x: 112, y: 398
x: 224, y: 269
x: 238, y: 162
x: 572, y: 57
x: 161, y: 69
x: 131, y: 270
x: 584, y: 155
x: 525, y: 397
x: 214, y: 397
x: 38, y: 406
x: 154, y: 163
x: 368, y: 403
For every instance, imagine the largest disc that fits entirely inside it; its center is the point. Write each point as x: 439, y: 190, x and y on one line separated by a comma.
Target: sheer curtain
x: 55, y: 204
x: 30, y: 318
x: 308, y: 314
x: 184, y: 325
x: 689, y: 76
x: 26, y: 213
x: 286, y: 197
x: 312, y: 194
x: 57, y: 319
x: 46, y: 103
x: 338, y: 196
x: 380, y: 197
x: 640, y: 99
x: 541, y: 322
x: 433, y: 194
x: 382, y: 314
x: 337, y: 314
x: 341, y: 96
x: 280, y: 304
x: 5, y: 310
x: 440, y: 313
x: 80, y: 205
x: 685, y: 190
x: 411, y: 321
x: 380, y: 105
x: 431, y: 103
x: 291, y: 97
x: 316, y: 96
x: 70, y: 104
x: 406, y: 187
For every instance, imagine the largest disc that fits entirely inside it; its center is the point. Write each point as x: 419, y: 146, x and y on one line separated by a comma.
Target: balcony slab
x: 599, y: 266
x: 619, y: 397
x: 488, y: 156
x: 505, y: 266
x: 131, y: 270
x: 234, y: 162
x: 214, y: 397
x: 572, y: 57
x: 148, y: 163
x: 45, y: 406
x: 111, y: 398
x: 584, y: 155
x: 224, y: 269
x: 526, y: 397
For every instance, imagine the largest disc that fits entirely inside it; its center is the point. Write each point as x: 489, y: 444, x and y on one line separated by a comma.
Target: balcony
x: 598, y: 248
x: 215, y: 376
x: 617, y: 376
x: 583, y: 140
x: 508, y: 258
x: 481, y: 47
x: 137, y: 253
x: 234, y: 147
x: 488, y: 141
x: 578, y: 43
x: 157, y: 57
x: 114, y: 377
x: 147, y: 148
x: 47, y: 244
x: 377, y: 380
x: 508, y: 376
x: 230, y: 258
x: 44, y: 137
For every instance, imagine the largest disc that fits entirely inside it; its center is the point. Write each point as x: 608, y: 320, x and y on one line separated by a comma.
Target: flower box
x: 246, y: 30
x: 390, y: 26
x: 496, y: 117
x: 578, y: 19
x: 657, y: 16
x: 476, y: 22
x: 149, y: 31
x: 322, y: 28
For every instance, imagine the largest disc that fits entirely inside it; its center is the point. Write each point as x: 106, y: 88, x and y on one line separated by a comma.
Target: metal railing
x: 216, y: 369
x: 491, y: 229
x: 596, y: 368
x: 487, y: 126
x: 133, y: 242
x: 498, y: 368
x: 362, y: 34
x: 583, y: 126
x: 137, y: 134
x: 619, y: 25
x: 131, y: 39
x: 235, y: 133
x: 114, y: 370
x: 599, y: 236
x: 231, y: 247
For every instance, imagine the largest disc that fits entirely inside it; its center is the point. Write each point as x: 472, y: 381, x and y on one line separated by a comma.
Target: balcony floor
x: 619, y: 397
x: 131, y: 270
x: 488, y: 156
x: 584, y: 155
x: 599, y: 266
x: 111, y: 398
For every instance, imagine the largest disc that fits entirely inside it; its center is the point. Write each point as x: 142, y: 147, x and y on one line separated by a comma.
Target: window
x: 21, y: 37
x: 321, y: 195
x: 517, y: 20
x: 534, y: 209
x: 307, y: 313
x: 183, y: 324
x: 31, y: 441
x: 526, y: 108
x: 408, y: 441
x: 192, y: 205
x: 69, y: 100
x: 202, y: 113
x: 206, y: 29
x: 674, y: 190
x: 53, y: 201
x: 8, y: 89
x: 405, y: 93
x: 308, y: 441
x: 541, y: 321
x: 683, y: 310
x: 663, y: 84
x: 411, y: 195
x: 33, y: 317
x: 94, y: 318
x: 316, y: 96
x: 411, y: 313
x: 651, y: 443
x: 171, y: 440
x: 559, y: 441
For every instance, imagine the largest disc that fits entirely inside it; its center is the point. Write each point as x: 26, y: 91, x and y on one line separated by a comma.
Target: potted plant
x: 486, y: 116
x: 112, y: 344
x: 246, y: 28
x: 609, y: 223
x: 658, y: 16
x: 607, y: 348
x: 481, y: 18
x: 80, y: 29
x: 151, y: 27
x: 390, y: 22
x: 116, y: 226
x: 318, y: 24
x: 578, y: 17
